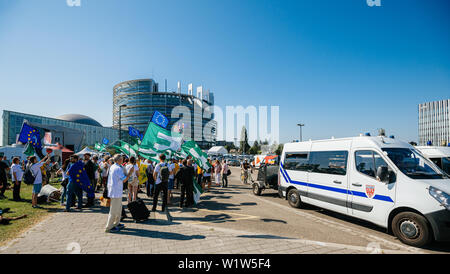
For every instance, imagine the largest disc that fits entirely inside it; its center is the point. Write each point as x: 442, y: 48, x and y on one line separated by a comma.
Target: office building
x: 73, y: 131
x: 434, y: 123
x: 135, y: 101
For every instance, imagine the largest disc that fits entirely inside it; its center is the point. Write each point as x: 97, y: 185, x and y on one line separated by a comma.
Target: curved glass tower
x: 135, y: 101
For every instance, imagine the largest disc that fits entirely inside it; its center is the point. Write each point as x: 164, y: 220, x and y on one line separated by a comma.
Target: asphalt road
x: 237, y: 208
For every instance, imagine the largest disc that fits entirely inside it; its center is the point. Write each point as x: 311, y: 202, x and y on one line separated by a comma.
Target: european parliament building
x: 434, y: 123
x: 73, y: 131
x: 135, y: 101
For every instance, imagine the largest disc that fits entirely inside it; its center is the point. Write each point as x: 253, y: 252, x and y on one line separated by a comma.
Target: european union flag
x: 78, y: 174
x: 105, y: 141
x: 159, y: 119
x: 29, y: 134
x: 135, y: 133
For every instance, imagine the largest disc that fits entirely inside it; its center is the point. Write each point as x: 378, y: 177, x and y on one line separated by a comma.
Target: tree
x: 279, y: 149
x: 255, y: 149
x: 244, y: 146
x: 230, y: 147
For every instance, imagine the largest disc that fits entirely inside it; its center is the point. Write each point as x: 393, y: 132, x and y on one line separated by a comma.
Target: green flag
x: 29, y: 150
x: 153, y: 158
x: 125, y: 148
x: 100, y: 147
x: 200, y: 157
x: 197, y: 191
x: 160, y: 139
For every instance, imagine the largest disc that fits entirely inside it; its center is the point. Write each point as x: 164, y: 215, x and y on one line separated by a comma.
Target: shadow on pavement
x: 159, y: 234
x: 273, y: 221
x: 264, y: 237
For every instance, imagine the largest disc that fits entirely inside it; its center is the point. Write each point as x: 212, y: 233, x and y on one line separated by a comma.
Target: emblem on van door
x: 370, y: 190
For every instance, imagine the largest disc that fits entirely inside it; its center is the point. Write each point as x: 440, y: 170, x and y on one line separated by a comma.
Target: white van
x: 378, y: 179
x: 438, y: 155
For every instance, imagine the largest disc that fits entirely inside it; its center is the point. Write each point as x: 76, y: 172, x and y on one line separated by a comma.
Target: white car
x: 378, y: 179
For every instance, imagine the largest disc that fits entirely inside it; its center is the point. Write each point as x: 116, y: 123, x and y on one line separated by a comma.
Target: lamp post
x: 300, y: 126
x: 120, y: 121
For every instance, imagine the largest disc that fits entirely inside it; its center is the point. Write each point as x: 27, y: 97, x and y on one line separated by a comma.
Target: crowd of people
x: 111, y: 176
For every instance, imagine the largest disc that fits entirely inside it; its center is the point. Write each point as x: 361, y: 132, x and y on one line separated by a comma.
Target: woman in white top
x: 133, y: 182
x: 65, y: 179
x: 217, y: 172
x: 16, y: 175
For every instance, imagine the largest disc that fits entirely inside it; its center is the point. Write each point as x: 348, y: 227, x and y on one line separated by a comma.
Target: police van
x: 438, y: 155
x: 378, y: 179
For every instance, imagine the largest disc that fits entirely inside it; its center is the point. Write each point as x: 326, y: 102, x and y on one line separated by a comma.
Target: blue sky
x: 341, y: 67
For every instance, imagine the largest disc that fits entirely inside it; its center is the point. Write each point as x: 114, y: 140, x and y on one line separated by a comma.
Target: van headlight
x: 442, y: 197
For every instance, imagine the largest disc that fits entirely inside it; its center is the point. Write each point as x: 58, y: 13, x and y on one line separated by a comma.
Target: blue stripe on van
x: 334, y: 189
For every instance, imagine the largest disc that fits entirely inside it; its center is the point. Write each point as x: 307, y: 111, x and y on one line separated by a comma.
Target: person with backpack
x: 161, y: 177
x: 150, y: 180
x: 36, y: 172
x: 225, y: 173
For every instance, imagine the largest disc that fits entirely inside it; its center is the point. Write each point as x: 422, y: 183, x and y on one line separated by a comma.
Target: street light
x: 120, y: 121
x: 300, y: 126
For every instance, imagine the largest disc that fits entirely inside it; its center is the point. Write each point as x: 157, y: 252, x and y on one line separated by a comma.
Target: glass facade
x: 135, y: 102
x: 434, y: 123
x: 12, y: 124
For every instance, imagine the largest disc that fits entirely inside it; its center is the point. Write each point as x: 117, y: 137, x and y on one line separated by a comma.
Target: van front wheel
x: 294, y: 198
x: 411, y: 228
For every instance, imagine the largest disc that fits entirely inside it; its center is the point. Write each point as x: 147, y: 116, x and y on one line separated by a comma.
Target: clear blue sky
x: 338, y: 66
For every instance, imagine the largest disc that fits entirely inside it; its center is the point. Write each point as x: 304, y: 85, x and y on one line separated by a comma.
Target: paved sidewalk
x: 83, y: 232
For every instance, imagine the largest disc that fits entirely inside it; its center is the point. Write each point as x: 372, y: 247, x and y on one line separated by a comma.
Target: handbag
x: 228, y: 172
x: 65, y: 182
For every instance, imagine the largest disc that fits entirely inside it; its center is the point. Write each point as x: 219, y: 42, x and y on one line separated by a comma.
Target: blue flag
x: 159, y: 119
x: 105, y: 141
x: 135, y: 133
x: 78, y: 175
x: 29, y: 134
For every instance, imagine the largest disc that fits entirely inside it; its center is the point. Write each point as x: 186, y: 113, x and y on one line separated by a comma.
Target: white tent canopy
x: 218, y: 150
x: 87, y: 150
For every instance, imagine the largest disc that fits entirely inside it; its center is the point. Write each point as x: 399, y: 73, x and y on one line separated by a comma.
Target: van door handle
x: 358, y: 185
x: 337, y: 182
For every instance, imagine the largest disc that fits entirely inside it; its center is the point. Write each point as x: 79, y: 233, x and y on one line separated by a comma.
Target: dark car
x: 233, y: 162
x: 267, y: 177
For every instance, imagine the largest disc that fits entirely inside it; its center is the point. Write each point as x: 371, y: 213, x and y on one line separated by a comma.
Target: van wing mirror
x: 383, y: 174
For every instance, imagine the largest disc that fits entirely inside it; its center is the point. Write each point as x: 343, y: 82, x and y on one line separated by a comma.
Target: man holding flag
x: 78, y: 181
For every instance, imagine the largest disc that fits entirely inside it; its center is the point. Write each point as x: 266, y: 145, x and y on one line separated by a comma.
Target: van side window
x: 368, y: 162
x: 379, y: 161
x: 364, y: 162
x: 329, y: 162
x: 296, y: 161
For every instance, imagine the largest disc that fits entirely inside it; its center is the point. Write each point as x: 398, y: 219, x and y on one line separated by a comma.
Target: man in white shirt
x: 16, y: 175
x: 116, y: 179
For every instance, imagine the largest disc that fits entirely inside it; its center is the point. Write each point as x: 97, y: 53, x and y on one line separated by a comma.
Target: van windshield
x: 413, y: 164
x: 446, y: 165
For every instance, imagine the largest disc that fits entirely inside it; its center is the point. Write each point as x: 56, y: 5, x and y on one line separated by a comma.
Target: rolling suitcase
x: 138, y: 210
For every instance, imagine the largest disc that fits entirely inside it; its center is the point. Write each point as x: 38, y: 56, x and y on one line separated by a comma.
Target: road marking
x: 244, y: 217
x: 342, y: 227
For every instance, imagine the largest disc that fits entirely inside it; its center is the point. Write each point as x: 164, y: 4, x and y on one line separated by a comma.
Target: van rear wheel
x: 294, y: 198
x: 256, y: 189
x: 412, y: 229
